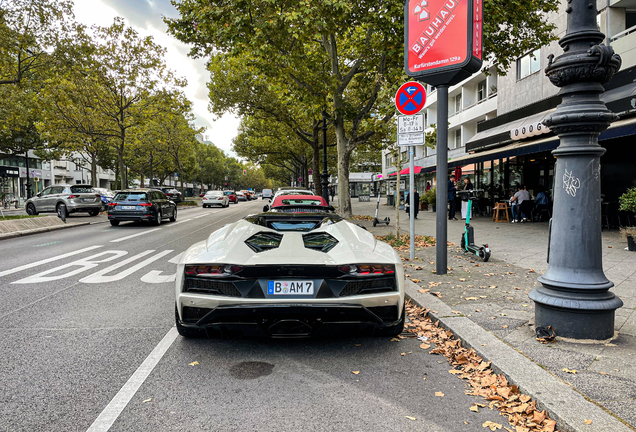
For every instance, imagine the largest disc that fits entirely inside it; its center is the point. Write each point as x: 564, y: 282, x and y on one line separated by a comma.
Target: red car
x: 231, y: 195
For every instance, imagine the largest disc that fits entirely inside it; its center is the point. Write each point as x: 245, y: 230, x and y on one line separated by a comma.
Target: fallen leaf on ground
x: 147, y: 400
x: 492, y: 425
x: 355, y: 372
x: 587, y: 421
x: 415, y: 280
x: 439, y: 394
x: 504, y: 326
x: 411, y: 418
x: 456, y: 312
x: 425, y: 346
x: 424, y: 291
x: 474, y: 408
x: 436, y: 294
x: 472, y: 298
x: 570, y: 371
x: 603, y: 373
x: 194, y: 363
x: 403, y: 354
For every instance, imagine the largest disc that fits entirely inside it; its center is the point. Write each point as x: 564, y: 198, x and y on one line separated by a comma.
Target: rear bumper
x: 291, y: 320
x: 131, y: 217
x: 74, y: 208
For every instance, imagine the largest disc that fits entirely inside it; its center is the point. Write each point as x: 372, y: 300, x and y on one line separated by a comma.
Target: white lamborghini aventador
x: 297, y: 270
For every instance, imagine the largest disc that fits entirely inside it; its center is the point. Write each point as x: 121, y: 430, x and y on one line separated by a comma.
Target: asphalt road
x: 88, y: 343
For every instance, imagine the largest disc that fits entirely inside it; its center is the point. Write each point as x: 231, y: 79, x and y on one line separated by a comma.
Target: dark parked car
x: 141, y: 205
x: 172, y: 194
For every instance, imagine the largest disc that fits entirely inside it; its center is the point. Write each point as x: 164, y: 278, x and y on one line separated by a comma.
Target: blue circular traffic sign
x: 410, y: 98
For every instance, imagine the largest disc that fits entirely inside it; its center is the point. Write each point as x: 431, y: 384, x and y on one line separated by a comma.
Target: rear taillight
x: 220, y: 198
x: 74, y: 196
x: 98, y: 195
x: 367, y: 269
x: 112, y: 204
x: 212, y: 270
x: 145, y: 204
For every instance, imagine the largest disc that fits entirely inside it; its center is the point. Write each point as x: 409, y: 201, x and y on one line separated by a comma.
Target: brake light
x: 212, y: 270
x: 145, y: 204
x: 367, y: 269
x: 112, y: 204
x: 73, y: 196
x: 98, y: 195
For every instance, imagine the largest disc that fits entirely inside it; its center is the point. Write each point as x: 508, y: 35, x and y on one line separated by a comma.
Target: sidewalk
x: 494, y: 295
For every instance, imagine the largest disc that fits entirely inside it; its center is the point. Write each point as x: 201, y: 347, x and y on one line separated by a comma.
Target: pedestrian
x: 428, y: 187
x: 542, y: 202
x: 468, y: 186
x: 520, y: 197
x: 416, y: 195
x: 451, y: 198
x: 331, y: 192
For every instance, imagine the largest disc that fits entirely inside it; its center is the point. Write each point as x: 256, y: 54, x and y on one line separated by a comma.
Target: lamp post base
x: 576, y: 315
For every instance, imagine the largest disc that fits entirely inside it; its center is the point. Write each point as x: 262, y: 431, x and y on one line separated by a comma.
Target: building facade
x: 492, y: 135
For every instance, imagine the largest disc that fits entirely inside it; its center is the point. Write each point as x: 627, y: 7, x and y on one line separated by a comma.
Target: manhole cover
x: 251, y: 370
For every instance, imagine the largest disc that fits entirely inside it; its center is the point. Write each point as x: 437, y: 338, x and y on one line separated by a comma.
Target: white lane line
x: 181, y: 221
x: 48, y: 260
x: 126, y: 393
x: 134, y: 235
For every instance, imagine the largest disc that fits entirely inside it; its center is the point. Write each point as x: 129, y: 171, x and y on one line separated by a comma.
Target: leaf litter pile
x: 403, y: 242
x: 522, y: 412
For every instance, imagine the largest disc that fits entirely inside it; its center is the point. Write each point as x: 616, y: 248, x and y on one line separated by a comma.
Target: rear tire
x: 31, y: 210
x: 187, y: 332
x: 173, y: 218
x: 484, y: 255
x: 157, y: 221
x: 61, y: 211
x: 93, y: 212
x: 114, y: 223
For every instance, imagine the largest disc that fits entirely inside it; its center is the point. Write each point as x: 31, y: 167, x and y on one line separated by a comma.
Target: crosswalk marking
x: 134, y: 235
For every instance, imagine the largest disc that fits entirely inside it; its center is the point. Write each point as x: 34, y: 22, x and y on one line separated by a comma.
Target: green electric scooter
x: 468, y: 236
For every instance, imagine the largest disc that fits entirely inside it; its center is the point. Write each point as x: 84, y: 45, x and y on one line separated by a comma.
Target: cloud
x: 146, y: 17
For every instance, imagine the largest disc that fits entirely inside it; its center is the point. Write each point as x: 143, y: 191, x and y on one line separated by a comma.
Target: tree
x: 344, y: 53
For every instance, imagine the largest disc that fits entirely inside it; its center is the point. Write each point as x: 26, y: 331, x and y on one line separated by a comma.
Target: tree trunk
x: 182, y: 187
x: 152, y: 175
x: 141, y: 179
x: 94, y: 181
x: 316, y: 166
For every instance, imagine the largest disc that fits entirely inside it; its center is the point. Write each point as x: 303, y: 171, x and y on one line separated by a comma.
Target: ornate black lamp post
x: 574, y: 297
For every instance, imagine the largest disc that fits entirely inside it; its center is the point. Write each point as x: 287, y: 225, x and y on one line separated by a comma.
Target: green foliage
x: 628, y: 200
x: 431, y: 195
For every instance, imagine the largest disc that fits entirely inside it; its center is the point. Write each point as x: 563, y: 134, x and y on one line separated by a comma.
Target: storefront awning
x: 407, y: 171
x: 617, y: 129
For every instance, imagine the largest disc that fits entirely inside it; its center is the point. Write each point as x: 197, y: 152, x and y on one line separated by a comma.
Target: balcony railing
x: 623, y: 34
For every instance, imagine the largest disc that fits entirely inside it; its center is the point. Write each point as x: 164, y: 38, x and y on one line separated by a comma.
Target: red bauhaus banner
x: 442, y: 39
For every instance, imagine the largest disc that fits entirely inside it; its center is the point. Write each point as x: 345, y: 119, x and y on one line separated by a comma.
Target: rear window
x: 301, y: 202
x: 131, y: 196
x: 215, y: 193
x: 228, y: 193
x: 82, y: 189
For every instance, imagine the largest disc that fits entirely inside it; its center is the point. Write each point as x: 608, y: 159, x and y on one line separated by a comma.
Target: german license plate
x: 128, y: 207
x: 290, y: 287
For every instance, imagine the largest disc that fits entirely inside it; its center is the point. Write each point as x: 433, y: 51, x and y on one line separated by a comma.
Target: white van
x: 267, y: 193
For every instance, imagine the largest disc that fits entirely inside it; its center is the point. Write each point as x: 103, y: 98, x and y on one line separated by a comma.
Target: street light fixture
x: 574, y: 297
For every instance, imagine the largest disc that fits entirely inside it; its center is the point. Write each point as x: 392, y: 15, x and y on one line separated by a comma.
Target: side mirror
x: 270, y: 200
x: 38, y: 195
x: 265, y: 208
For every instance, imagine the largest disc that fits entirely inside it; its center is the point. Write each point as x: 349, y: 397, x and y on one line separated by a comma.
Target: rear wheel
x: 93, y: 212
x: 187, y: 332
x: 61, y: 211
x: 484, y: 255
x: 174, y: 215
x: 31, y: 210
x: 157, y: 221
x: 114, y: 223
x: 397, y: 329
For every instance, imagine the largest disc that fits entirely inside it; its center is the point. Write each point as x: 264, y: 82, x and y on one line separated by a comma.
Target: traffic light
x: 244, y: 172
x: 225, y: 184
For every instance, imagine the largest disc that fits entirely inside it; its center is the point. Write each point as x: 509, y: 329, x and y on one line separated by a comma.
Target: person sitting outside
x: 520, y: 197
x: 542, y: 201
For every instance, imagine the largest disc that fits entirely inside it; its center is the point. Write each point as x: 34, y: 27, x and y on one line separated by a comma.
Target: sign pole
x: 442, y: 181
x: 412, y: 199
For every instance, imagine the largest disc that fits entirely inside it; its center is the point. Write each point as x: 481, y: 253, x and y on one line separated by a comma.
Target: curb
x: 565, y: 405
x: 41, y: 230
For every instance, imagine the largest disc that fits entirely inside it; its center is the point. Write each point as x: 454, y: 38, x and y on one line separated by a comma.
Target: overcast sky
x: 145, y: 16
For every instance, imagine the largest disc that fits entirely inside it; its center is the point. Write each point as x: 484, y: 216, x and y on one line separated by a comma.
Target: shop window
x: 528, y: 64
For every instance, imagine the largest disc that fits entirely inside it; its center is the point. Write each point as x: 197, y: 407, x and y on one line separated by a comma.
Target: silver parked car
x: 64, y: 199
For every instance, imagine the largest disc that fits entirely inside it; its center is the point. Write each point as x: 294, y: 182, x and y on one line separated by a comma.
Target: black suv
x: 141, y: 205
x: 172, y: 194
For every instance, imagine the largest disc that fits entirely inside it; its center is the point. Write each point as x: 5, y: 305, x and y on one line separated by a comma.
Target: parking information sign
x: 411, y: 130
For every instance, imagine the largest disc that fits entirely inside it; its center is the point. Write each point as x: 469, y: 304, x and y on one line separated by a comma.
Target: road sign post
x: 442, y: 47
